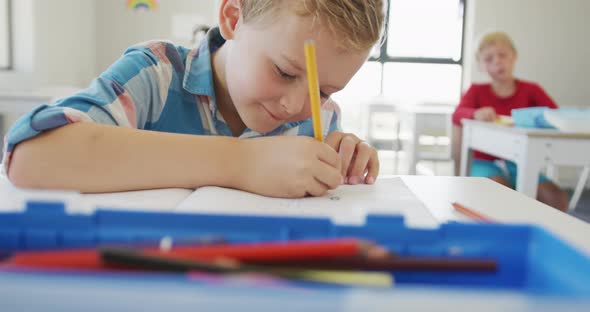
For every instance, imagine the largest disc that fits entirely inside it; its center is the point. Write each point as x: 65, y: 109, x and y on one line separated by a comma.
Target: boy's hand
x: 485, y: 114
x: 288, y: 166
x: 360, y: 162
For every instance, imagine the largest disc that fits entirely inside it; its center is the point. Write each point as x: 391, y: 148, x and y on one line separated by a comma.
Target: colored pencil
x: 471, y: 213
x: 272, y: 251
x: 276, y: 251
x: 392, y: 264
x: 125, y: 257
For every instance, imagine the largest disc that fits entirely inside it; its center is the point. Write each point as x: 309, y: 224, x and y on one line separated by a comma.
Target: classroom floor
x: 445, y: 168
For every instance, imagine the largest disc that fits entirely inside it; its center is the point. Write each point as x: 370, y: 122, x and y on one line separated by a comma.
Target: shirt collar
x: 198, y: 76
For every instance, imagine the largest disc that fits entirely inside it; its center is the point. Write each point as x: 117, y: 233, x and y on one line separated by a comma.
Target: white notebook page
x: 348, y: 204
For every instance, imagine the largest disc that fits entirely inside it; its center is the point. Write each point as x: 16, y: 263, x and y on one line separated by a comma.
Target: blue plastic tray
x: 530, y: 260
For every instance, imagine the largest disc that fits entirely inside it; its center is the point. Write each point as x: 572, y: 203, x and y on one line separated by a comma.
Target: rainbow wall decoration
x: 143, y: 5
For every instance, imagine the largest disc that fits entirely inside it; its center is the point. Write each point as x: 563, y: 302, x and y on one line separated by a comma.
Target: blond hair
x: 359, y: 23
x: 495, y: 38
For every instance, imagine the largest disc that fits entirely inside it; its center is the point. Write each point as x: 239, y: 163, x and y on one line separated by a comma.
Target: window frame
x: 384, y: 57
x: 9, y: 38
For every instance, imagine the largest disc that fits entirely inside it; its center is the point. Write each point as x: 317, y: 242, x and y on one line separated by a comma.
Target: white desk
x: 497, y: 202
x: 494, y: 200
x: 481, y: 194
x: 530, y: 149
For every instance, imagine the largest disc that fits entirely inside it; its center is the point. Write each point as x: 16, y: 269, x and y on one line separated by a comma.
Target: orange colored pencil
x: 471, y: 213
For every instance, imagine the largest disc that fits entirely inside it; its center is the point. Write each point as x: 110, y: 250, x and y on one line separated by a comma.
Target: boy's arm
x: 92, y: 157
x: 131, y: 93
x: 466, y: 107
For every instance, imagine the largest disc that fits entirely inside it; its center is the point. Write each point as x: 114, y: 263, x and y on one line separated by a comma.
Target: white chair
x: 431, y: 129
x: 579, y: 188
x: 376, y: 129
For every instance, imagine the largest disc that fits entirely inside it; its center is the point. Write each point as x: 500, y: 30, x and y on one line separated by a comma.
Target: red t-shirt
x: 527, y: 94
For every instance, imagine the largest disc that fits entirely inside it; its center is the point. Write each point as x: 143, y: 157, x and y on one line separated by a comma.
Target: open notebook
x: 162, y: 200
x: 345, y: 205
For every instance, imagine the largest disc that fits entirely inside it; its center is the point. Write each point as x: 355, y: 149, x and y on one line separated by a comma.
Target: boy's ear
x: 230, y: 18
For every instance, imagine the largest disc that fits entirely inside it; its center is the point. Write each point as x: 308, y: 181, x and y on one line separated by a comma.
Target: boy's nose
x: 292, y: 103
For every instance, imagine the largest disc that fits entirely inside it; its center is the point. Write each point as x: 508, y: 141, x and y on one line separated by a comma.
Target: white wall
x: 65, y: 51
x: 119, y: 28
x: 551, y: 38
x: 70, y: 42
x: 23, y: 47
x: 53, y: 44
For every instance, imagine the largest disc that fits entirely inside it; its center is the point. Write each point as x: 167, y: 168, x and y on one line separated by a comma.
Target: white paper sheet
x: 14, y: 199
x: 345, y: 205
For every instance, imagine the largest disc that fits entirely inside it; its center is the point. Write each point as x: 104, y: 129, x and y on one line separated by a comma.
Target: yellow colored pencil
x: 346, y: 278
x: 314, y: 89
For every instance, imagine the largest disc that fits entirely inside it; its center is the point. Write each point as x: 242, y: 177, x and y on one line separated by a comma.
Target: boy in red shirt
x: 496, y: 55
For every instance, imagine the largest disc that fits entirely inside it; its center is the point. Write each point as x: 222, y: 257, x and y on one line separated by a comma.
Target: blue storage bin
x: 530, y: 260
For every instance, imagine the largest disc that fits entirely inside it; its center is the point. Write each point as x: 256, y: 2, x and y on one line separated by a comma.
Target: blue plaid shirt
x: 153, y: 86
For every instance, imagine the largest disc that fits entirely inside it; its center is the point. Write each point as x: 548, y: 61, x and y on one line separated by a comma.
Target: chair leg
x: 396, y: 162
x: 579, y: 188
x: 397, y: 147
x: 456, y: 141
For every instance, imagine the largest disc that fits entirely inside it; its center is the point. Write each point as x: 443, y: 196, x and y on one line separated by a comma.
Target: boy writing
x: 496, y: 56
x: 165, y: 116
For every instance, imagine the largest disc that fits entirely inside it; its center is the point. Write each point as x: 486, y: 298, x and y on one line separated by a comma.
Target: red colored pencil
x: 84, y: 259
x: 471, y: 213
x: 275, y: 251
x: 89, y: 259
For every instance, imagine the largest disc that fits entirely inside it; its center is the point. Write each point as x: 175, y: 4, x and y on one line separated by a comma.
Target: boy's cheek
x: 305, y: 114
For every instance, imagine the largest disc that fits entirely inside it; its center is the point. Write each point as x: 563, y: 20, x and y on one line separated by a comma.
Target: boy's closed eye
x: 285, y: 75
x: 290, y: 77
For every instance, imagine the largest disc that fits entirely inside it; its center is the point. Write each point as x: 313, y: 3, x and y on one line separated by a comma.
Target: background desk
x: 21, y: 102
x: 530, y: 149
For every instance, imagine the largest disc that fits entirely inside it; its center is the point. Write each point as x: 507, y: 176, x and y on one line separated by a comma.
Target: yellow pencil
x: 314, y: 89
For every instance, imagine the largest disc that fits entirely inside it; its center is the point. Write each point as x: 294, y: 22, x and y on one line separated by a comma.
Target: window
x: 5, y: 35
x: 422, y: 54
x: 425, y: 29
x: 364, y: 86
x: 420, y: 60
